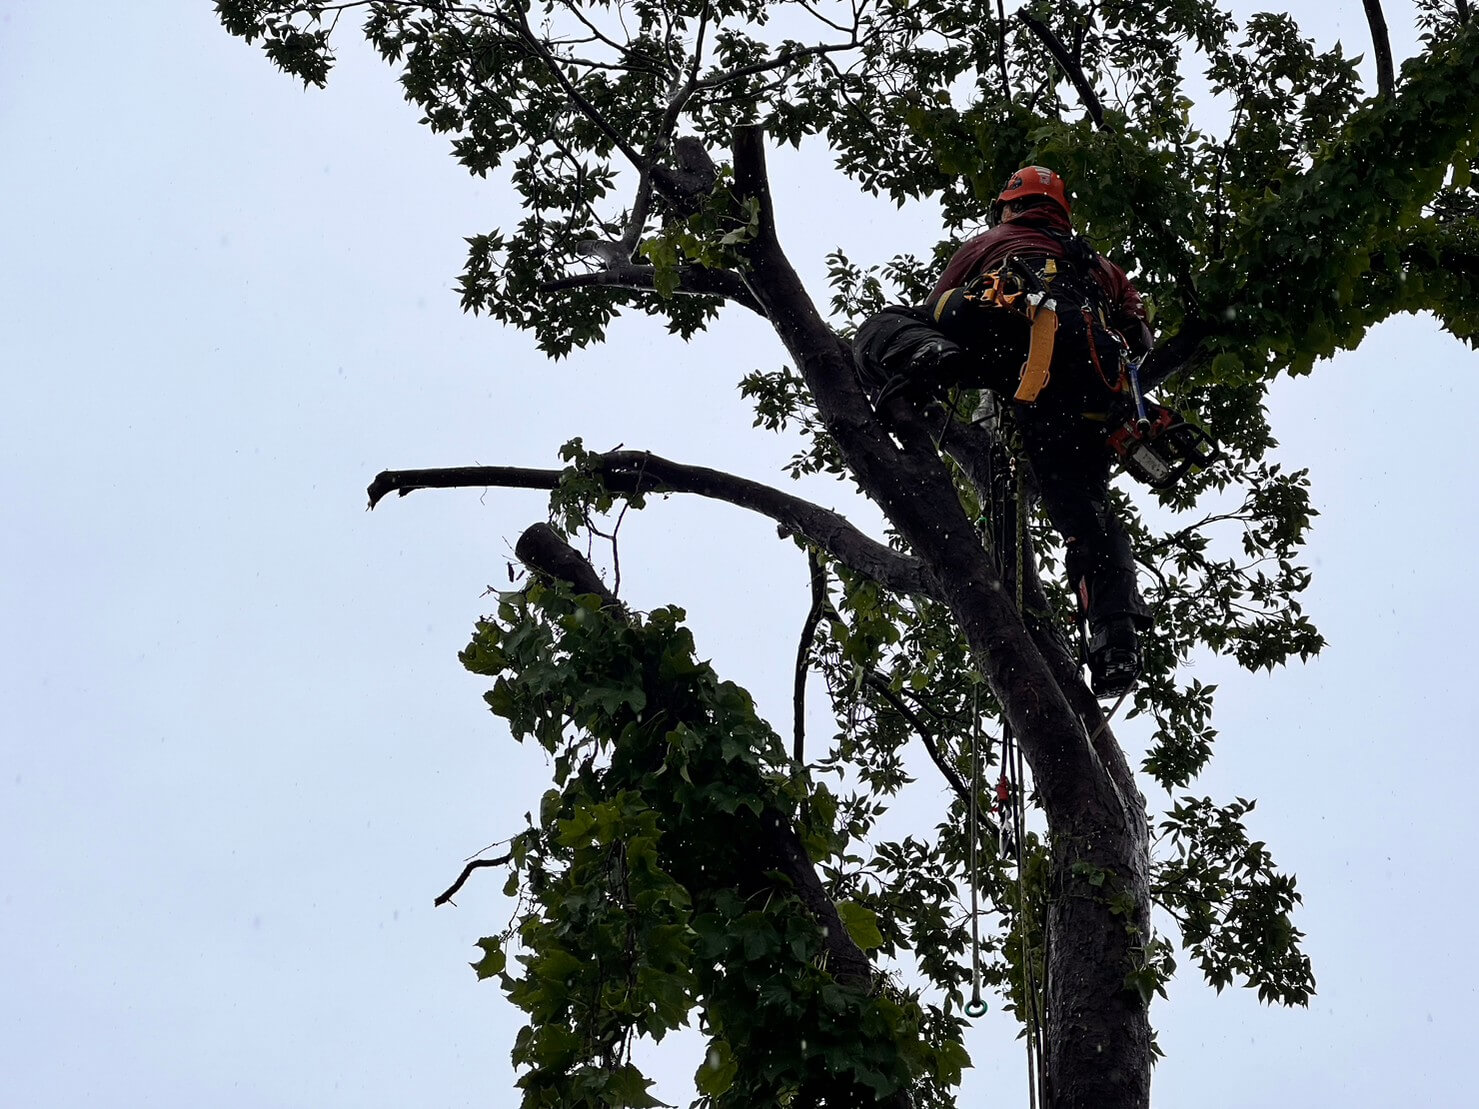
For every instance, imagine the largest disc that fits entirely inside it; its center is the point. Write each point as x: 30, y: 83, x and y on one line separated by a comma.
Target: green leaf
x: 493, y: 960
x: 716, y: 1073
x: 626, y: 1088
x: 861, y: 924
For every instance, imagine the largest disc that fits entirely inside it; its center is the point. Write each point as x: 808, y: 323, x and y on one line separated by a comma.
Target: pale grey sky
x: 238, y: 756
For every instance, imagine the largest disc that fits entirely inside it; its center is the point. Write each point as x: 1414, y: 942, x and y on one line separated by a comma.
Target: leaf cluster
x: 650, y: 886
x: 1232, y: 906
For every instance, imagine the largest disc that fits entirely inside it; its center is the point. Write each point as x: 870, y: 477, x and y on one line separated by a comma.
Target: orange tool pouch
x: 1034, y: 376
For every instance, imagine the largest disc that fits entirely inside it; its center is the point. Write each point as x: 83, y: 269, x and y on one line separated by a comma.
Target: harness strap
x: 1118, y: 384
x: 1044, y: 319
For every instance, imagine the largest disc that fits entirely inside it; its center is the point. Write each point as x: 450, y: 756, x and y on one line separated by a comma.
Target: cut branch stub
x: 544, y: 550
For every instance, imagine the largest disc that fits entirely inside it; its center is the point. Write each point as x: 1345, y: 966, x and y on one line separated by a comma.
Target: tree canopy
x: 686, y: 865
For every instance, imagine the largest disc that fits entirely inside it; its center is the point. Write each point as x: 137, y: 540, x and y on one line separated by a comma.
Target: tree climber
x: 1029, y: 311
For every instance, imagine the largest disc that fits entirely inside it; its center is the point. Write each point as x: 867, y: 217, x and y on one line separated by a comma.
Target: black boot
x: 1114, y: 657
x: 930, y: 371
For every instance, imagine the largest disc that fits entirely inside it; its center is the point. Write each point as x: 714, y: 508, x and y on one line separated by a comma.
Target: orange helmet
x: 1033, y: 181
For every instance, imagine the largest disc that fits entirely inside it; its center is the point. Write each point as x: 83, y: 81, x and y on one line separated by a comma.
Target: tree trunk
x: 1098, y: 1052
x: 1098, y: 1044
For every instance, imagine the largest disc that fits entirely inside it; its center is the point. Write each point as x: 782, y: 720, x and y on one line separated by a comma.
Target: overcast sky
x: 238, y: 757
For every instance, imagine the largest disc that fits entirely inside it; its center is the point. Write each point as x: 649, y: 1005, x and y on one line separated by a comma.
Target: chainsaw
x: 1156, y: 445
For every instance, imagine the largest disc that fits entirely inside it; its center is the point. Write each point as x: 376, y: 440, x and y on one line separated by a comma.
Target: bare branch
x: 820, y: 18
x: 803, y: 649
x: 780, y: 61
x: 476, y: 864
x: 1071, y: 69
x: 552, y: 63
x: 633, y: 472
x: 952, y: 777
x: 1001, y: 49
x: 692, y: 280
x: 601, y: 36
x: 1382, y: 45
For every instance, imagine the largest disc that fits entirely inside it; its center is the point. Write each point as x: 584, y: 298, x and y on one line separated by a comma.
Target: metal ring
x: 975, y: 1007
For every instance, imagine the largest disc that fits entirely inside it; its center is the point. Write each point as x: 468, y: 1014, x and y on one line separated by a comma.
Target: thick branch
x: 1092, y: 1015
x: 545, y: 551
x: 1175, y: 354
x: 780, y: 61
x: 692, y: 280
x: 1071, y: 69
x: 634, y: 472
x: 1382, y: 45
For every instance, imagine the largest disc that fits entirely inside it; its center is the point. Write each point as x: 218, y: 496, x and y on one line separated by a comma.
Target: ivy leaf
x: 861, y: 924
x: 626, y: 1088
x: 716, y: 1073
x: 493, y: 960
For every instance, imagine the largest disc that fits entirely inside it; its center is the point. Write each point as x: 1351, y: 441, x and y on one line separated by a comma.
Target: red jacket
x: 1024, y: 235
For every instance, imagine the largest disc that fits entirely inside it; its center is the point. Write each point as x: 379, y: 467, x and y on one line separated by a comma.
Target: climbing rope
x: 1032, y: 999
x: 975, y: 1007
x: 1006, y: 514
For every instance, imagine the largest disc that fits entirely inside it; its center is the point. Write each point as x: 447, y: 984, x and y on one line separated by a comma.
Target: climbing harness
x: 1016, y: 287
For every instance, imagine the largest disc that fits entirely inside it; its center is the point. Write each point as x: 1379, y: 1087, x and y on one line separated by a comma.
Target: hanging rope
x: 1005, y: 517
x: 1004, y: 525
x: 1003, y: 522
x: 975, y: 1007
x: 1036, y: 1003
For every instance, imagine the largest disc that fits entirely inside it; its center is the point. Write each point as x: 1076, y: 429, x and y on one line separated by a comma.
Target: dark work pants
x: 1063, y: 432
x: 1070, y: 459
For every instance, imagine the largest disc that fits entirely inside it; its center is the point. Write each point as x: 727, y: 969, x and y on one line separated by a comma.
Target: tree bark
x: 1381, y: 44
